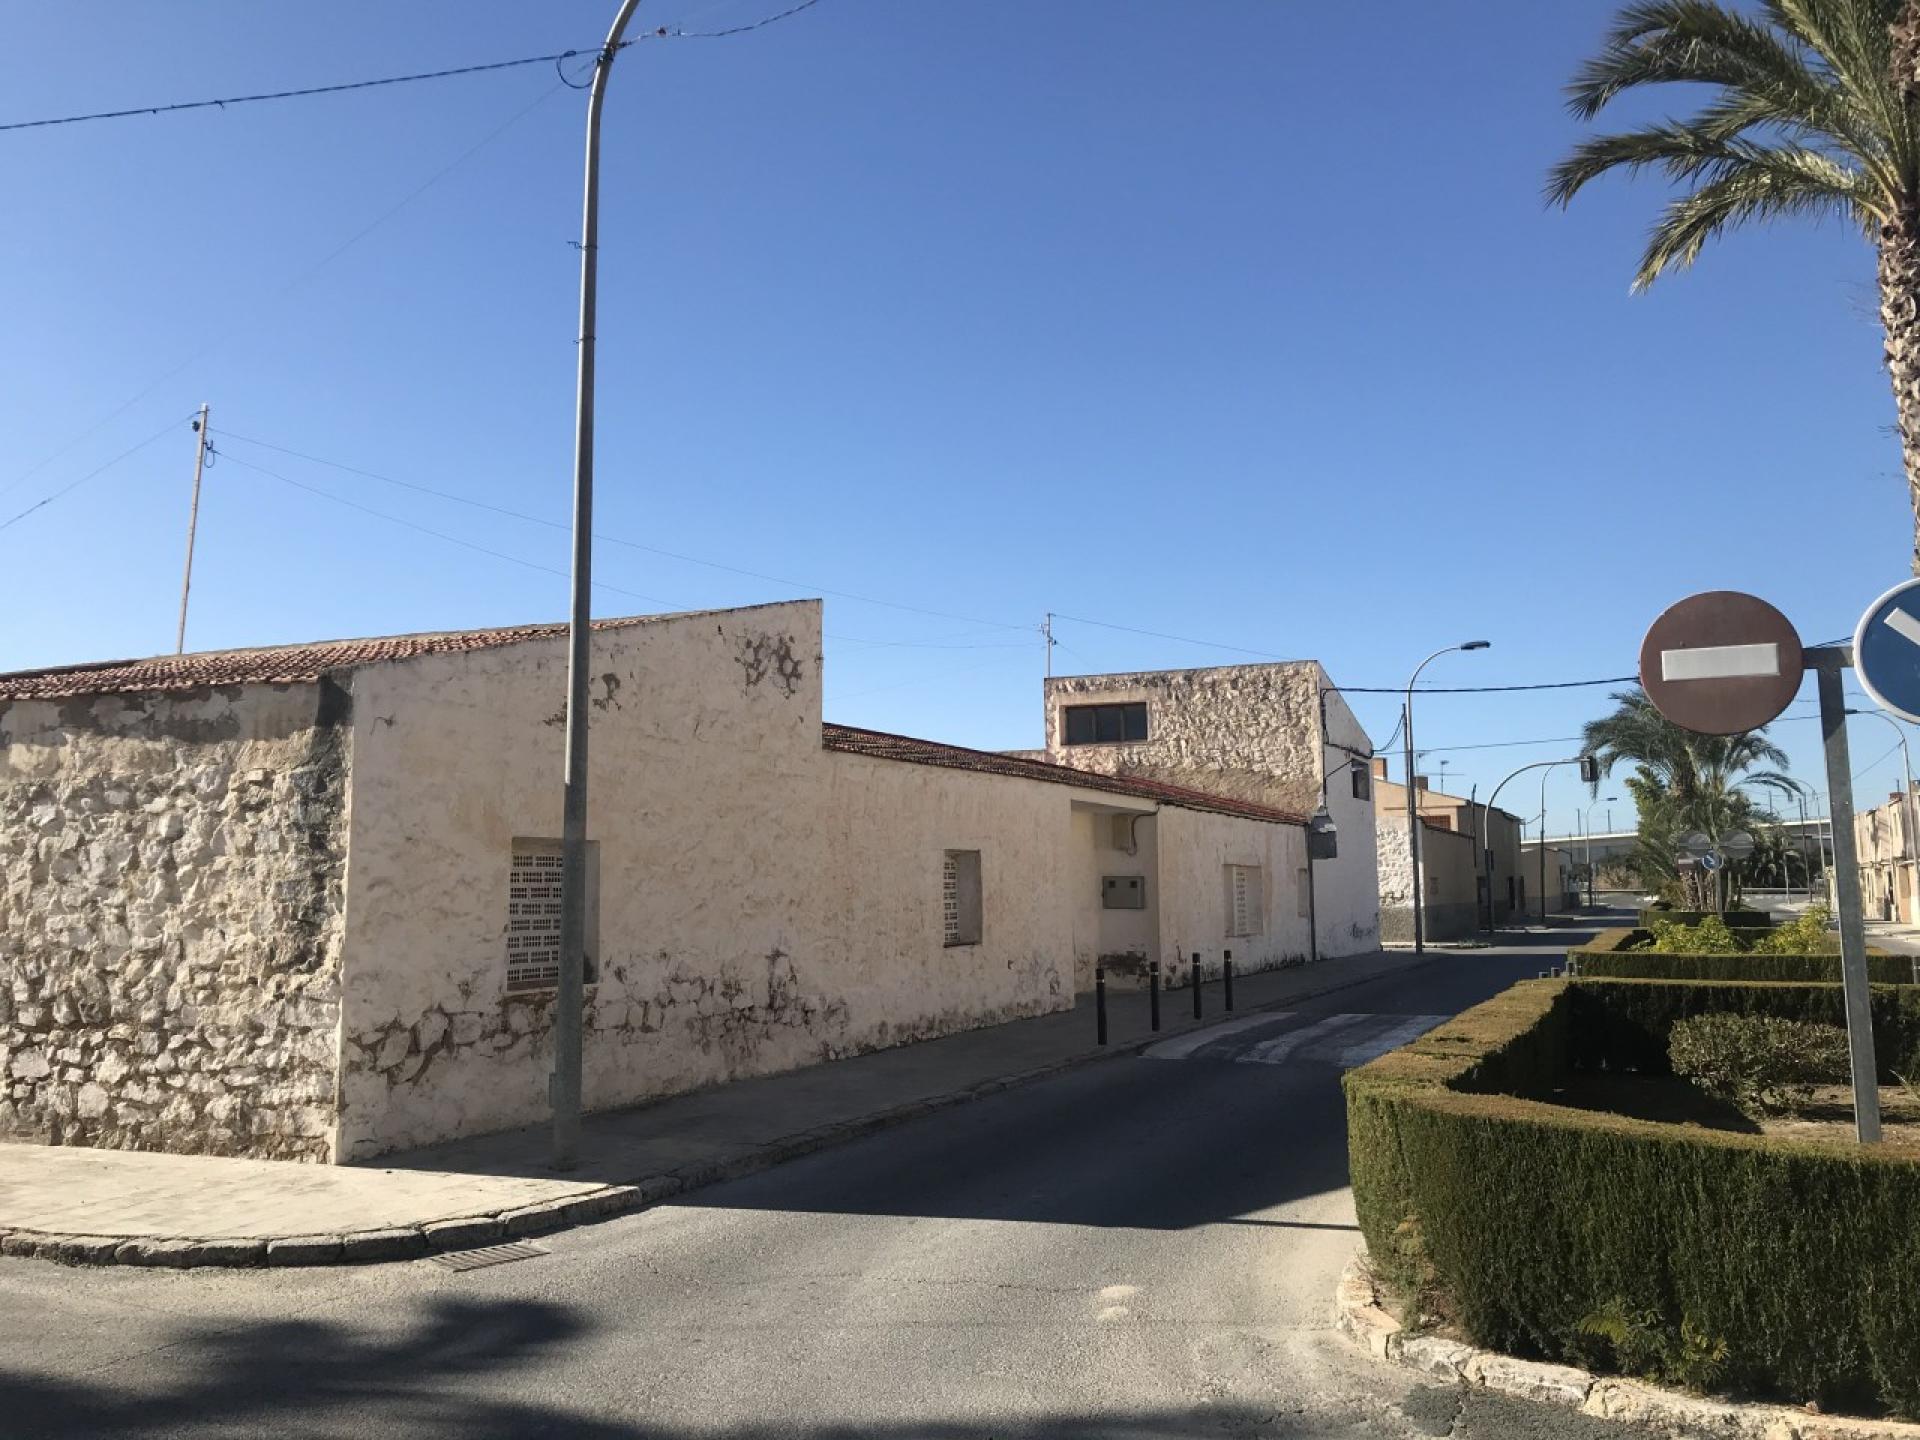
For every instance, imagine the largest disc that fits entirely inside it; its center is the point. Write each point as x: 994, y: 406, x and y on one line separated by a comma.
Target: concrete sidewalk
x: 106, y: 1206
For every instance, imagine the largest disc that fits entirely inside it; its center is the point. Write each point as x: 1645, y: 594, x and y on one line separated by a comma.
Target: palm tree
x: 1683, y: 782
x: 1812, y: 111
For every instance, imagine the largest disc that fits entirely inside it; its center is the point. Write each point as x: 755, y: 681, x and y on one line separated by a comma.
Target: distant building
x: 1454, y: 881
x: 1887, y: 855
x: 1565, y: 876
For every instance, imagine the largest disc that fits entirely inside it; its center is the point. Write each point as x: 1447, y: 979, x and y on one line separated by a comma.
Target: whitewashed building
x: 301, y: 902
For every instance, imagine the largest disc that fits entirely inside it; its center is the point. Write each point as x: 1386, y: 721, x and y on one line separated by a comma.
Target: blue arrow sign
x: 1886, y: 650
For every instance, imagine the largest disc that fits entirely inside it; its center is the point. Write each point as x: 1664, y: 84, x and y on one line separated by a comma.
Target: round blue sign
x: 1886, y: 650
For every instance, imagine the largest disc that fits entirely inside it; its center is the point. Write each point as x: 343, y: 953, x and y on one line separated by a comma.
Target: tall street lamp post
x: 564, y: 1087
x: 1413, y: 817
x: 1586, y: 836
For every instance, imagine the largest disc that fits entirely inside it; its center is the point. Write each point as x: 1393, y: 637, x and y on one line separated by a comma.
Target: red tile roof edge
x: 883, y: 745
x: 288, y: 664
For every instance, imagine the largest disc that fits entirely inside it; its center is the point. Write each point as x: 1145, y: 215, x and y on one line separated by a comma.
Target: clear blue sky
x: 1231, y: 319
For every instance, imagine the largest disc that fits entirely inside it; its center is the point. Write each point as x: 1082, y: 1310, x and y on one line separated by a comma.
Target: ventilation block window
x: 533, y: 915
x: 1362, y: 781
x: 1105, y: 724
x: 960, y: 897
x: 1245, y: 912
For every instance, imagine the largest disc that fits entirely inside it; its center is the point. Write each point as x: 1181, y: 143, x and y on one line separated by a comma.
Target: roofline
x: 1183, y: 670
x: 1163, y: 791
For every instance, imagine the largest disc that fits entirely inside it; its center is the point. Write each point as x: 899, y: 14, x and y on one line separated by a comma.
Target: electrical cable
x: 69, y: 488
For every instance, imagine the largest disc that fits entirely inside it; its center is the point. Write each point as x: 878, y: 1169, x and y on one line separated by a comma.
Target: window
x: 960, y: 897
x: 1362, y: 781
x: 533, y: 914
x: 1245, y: 911
x: 1105, y: 724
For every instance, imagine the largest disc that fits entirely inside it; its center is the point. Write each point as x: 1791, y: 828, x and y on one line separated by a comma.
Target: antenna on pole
x: 1046, y: 629
x: 193, y: 524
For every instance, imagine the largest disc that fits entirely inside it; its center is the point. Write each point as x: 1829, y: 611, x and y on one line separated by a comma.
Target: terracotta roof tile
x: 880, y: 745
x: 268, y: 665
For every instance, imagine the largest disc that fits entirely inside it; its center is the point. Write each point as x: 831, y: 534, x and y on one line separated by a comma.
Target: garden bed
x: 1783, y: 1264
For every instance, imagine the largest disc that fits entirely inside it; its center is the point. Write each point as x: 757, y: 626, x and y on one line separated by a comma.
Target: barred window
x: 960, y: 897
x: 533, y: 914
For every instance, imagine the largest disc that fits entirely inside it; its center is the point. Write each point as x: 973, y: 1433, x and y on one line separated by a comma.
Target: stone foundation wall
x: 171, y: 882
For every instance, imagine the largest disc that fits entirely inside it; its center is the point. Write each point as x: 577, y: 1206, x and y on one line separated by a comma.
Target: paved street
x: 1145, y: 1247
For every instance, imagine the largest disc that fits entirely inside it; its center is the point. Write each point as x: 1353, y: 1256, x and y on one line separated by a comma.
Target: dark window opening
x: 1105, y: 724
x: 1362, y: 781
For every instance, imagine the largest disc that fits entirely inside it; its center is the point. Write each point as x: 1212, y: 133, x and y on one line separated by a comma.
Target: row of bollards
x: 1153, y: 992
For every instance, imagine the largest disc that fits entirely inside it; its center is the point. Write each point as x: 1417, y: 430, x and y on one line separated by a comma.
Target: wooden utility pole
x: 193, y: 523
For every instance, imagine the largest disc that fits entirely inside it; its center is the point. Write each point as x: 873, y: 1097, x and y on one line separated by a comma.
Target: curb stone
x: 408, y: 1242
x: 1359, y: 1315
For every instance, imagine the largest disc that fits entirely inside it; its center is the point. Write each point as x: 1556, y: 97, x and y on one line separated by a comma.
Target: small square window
x: 1362, y: 781
x: 960, y: 897
x: 1104, y: 724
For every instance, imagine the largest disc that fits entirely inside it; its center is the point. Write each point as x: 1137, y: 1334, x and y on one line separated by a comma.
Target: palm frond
x: 1786, y: 183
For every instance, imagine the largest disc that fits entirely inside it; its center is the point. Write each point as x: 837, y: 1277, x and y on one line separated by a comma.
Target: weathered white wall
x: 764, y: 903
x: 1346, y: 888
x: 170, y: 919
x: 706, y: 801
x: 1195, y: 850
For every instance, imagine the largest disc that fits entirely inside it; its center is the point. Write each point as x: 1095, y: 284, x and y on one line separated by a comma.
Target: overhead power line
x: 73, y: 485
x: 556, y: 59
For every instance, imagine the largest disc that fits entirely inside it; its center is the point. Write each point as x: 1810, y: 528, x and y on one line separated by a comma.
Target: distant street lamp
x: 1586, y: 834
x: 1413, y: 818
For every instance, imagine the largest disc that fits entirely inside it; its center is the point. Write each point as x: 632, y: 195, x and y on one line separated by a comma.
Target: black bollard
x: 1153, y: 993
x: 1226, y: 977
x: 1196, y: 984
x: 1100, y: 1002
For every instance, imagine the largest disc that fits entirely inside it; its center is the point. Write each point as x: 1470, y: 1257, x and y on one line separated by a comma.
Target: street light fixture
x: 1413, y: 817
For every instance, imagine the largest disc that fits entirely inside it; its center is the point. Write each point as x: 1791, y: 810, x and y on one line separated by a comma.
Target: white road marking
x: 1904, y: 625
x: 1726, y: 662
x: 1275, y: 1052
x: 1392, y: 1038
x: 1185, y: 1045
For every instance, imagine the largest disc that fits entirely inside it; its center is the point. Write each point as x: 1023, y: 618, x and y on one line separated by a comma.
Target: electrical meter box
x: 1123, y: 892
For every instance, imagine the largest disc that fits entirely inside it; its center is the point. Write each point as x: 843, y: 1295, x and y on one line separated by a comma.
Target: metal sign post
x: 1827, y: 662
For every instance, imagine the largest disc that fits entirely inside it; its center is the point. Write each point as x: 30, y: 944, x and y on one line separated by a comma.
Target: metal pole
x: 1828, y: 662
x: 569, y: 998
x: 1196, y: 984
x: 1226, y: 979
x: 1313, y: 912
x: 1153, y: 993
x: 193, y: 524
x: 1413, y: 825
x: 1543, y: 847
x: 1100, y: 1002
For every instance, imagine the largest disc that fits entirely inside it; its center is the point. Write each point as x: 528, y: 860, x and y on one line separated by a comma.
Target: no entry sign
x: 1721, y: 662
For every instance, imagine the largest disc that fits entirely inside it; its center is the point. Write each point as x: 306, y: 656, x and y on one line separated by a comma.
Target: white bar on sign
x: 1904, y: 625
x: 1720, y: 662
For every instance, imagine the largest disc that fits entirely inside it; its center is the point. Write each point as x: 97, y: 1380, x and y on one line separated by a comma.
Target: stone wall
x: 171, y: 875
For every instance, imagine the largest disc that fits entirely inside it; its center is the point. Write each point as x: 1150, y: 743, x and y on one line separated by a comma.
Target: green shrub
x: 1760, y: 1063
x: 1808, y: 934
x: 1710, y: 937
x: 1735, y: 919
x: 1777, y: 1267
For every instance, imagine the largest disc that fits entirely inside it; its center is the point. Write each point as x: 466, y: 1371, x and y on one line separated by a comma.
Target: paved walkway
x: 105, y: 1206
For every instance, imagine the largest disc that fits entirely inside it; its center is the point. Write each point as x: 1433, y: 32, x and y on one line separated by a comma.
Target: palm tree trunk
x: 1900, y: 281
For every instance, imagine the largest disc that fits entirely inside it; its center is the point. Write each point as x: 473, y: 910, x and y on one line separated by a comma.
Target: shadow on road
x: 464, y: 1370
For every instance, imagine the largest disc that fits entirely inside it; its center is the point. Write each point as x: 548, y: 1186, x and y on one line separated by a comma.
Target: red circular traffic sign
x: 1721, y: 662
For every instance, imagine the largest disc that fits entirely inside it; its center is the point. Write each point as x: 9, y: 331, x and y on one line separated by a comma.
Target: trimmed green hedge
x: 1606, y: 957
x: 1529, y: 1218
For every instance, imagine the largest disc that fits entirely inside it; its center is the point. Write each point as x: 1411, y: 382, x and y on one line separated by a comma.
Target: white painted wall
x: 1195, y: 850
x: 1346, y: 888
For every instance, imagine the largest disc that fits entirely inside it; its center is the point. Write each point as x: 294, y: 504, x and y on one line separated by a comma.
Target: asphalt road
x: 1145, y: 1247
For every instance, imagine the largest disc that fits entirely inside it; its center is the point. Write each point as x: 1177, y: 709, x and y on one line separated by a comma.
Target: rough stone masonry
x: 172, y: 870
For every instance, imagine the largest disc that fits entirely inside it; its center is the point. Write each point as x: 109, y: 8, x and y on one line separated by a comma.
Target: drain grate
x: 488, y: 1255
